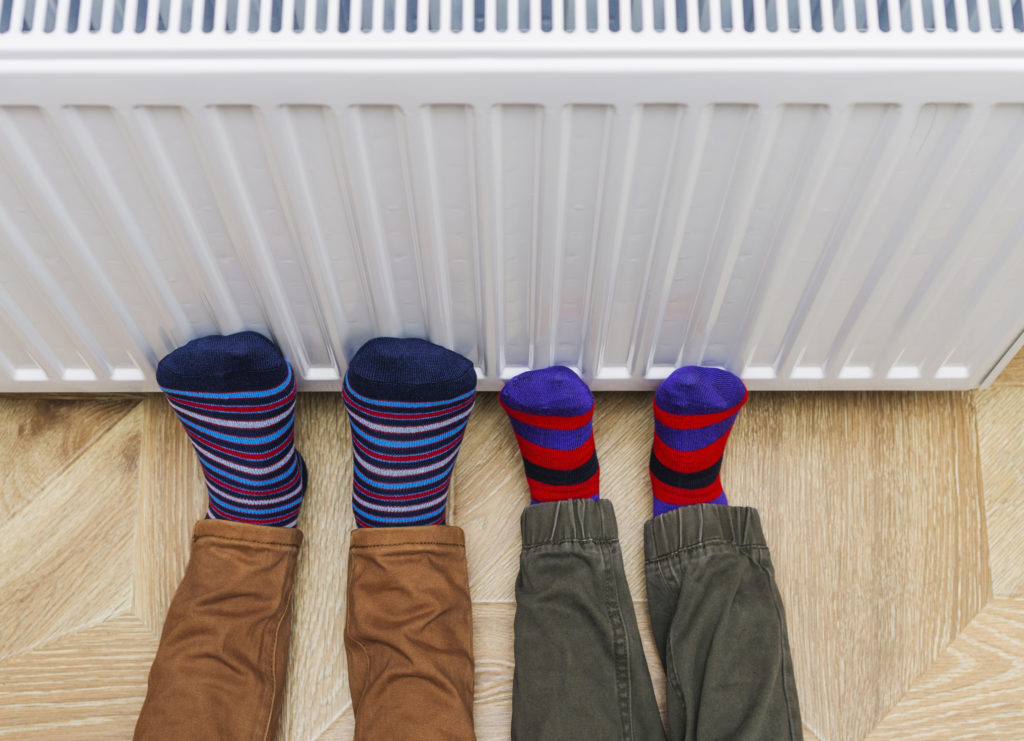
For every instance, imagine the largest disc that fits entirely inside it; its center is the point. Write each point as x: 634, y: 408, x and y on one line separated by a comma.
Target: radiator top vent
x: 399, y: 18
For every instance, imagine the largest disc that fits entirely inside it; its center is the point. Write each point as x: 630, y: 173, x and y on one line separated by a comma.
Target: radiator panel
x: 820, y: 240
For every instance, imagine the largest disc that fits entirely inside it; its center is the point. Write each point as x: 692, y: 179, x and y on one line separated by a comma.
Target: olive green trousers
x: 715, y: 611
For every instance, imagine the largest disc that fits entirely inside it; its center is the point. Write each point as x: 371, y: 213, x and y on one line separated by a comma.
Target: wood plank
x: 974, y: 690
x: 40, y: 436
x: 317, y: 689
x: 172, y: 496
x: 1001, y: 447
x: 88, y: 684
x: 492, y: 651
x: 625, y: 428
x: 342, y: 729
x: 810, y: 735
x: 1013, y: 373
x: 66, y: 555
x: 487, y: 496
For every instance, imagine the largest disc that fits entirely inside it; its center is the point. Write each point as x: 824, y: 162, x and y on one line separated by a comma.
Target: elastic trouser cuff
x: 568, y: 520
x: 701, y: 524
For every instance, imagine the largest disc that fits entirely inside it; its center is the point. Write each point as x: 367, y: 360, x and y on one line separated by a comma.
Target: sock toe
x: 246, y: 361
x: 410, y: 369
x: 554, y: 391
x: 697, y: 390
x: 550, y: 410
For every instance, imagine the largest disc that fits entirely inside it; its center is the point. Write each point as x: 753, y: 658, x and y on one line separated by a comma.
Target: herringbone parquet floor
x: 896, y: 523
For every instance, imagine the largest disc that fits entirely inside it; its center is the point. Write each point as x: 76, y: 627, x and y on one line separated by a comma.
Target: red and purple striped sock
x: 694, y: 411
x: 551, y: 411
x: 235, y: 396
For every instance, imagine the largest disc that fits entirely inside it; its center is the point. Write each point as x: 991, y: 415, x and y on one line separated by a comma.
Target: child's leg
x: 409, y: 625
x: 580, y: 668
x: 720, y: 627
x: 220, y: 669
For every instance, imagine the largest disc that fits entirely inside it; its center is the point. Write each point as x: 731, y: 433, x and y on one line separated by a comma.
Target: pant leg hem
x: 697, y: 525
x: 247, y: 533
x: 384, y: 537
x: 569, y: 520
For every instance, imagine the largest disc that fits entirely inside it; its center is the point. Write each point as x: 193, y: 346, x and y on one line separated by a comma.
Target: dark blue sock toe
x: 246, y: 361
x: 409, y: 369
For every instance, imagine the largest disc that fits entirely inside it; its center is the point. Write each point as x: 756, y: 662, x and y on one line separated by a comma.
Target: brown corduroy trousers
x: 409, y: 634
x: 219, y: 672
x: 220, y: 669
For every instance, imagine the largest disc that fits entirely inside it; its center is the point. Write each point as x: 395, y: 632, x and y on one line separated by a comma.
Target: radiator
x: 815, y: 195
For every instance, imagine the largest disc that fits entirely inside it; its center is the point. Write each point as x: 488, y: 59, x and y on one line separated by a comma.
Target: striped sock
x: 551, y: 411
x: 408, y: 403
x: 235, y: 396
x: 694, y: 410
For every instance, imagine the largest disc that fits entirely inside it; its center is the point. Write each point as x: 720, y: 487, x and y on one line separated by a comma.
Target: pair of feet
x: 408, y: 403
x: 551, y: 411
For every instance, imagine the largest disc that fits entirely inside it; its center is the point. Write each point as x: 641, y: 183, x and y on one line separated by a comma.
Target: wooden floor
x: 896, y: 523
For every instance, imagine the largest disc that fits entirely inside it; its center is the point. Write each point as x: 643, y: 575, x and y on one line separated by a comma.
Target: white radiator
x: 812, y: 194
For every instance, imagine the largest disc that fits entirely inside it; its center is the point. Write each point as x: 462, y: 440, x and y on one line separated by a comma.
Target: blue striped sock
x: 408, y: 403
x: 235, y: 396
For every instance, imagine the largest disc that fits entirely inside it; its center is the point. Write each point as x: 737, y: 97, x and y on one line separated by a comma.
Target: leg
x: 715, y: 610
x: 409, y: 634
x: 220, y: 668
x: 720, y: 627
x: 580, y: 669
x: 408, y: 631
x: 219, y: 672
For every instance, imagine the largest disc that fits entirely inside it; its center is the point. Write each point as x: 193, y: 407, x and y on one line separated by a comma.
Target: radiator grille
x: 290, y: 17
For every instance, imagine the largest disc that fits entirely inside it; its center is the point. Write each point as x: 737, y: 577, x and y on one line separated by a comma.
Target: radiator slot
x: 299, y: 17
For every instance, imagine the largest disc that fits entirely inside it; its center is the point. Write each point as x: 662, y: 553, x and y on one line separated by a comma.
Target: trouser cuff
x: 288, y: 537
x: 701, y: 524
x: 548, y: 523
x: 381, y: 537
